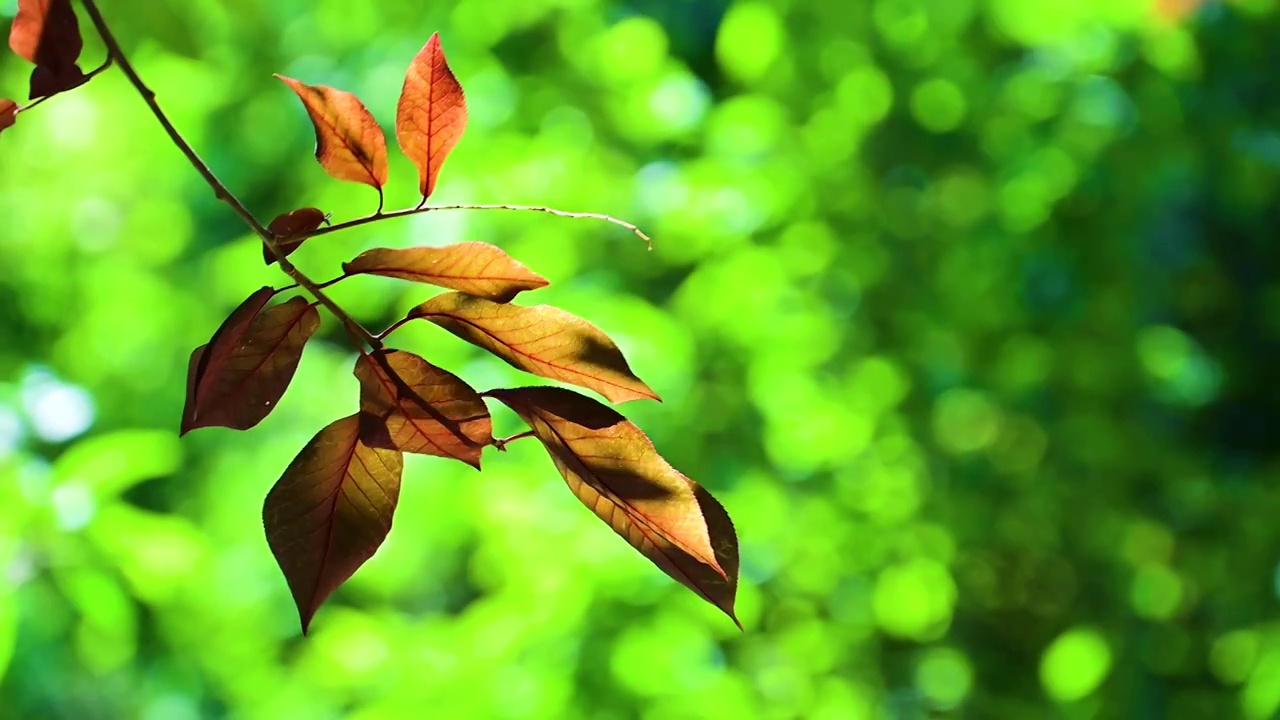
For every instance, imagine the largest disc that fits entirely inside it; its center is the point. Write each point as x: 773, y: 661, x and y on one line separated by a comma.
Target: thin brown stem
x: 391, y: 328
x: 525, y: 208
x: 116, y: 54
x: 501, y: 443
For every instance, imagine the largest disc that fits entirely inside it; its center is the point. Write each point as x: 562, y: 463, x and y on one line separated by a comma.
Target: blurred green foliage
x: 968, y: 311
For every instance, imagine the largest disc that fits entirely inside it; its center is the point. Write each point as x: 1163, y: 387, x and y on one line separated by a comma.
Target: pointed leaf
x: 290, y: 225
x: 51, y: 80
x: 349, y: 143
x: 542, y: 340
x: 47, y: 33
x: 431, y: 114
x: 475, y: 268
x: 431, y: 411
x: 249, y: 362
x: 8, y: 113
x: 613, y: 468
x: 330, y: 512
x: 193, y: 367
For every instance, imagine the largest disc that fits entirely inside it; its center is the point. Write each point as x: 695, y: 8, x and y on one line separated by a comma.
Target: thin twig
x: 87, y: 77
x: 501, y: 443
x: 219, y: 189
x: 526, y: 208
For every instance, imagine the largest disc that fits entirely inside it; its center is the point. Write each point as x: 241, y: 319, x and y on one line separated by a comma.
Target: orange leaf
x: 290, y: 225
x: 542, y: 340
x: 248, y: 363
x: 330, y: 512
x: 47, y: 33
x: 432, y: 411
x: 431, y: 114
x: 475, y: 268
x: 613, y: 468
x: 8, y: 113
x: 349, y: 143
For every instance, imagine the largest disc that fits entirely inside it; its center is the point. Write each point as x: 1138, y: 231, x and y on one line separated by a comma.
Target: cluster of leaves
x: 333, y: 506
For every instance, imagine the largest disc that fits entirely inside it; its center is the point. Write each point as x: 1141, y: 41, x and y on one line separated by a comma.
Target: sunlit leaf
x: 431, y: 411
x: 289, y: 226
x: 8, y: 113
x: 474, y: 268
x: 542, y: 340
x: 613, y: 468
x: 431, y: 114
x: 330, y: 512
x: 249, y: 362
x: 47, y: 33
x: 349, y: 143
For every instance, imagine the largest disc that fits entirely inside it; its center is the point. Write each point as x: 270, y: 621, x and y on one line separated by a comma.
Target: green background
x: 968, y: 311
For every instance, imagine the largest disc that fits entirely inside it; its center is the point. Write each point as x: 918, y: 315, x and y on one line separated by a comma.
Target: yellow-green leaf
x: 542, y: 340
x: 474, y: 268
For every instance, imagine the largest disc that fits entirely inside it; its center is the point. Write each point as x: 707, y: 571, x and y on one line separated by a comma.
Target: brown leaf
x: 290, y: 224
x: 47, y: 33
x: 193, y: 368
x: 249, y: 362
x: 433, y: 412
x: 431, y: 114
x: 613, y: 468
x: 474, y: 268
x: 8, y: 113
x: 542, y: 340
x: 349, y: 143
x: 330, y: 512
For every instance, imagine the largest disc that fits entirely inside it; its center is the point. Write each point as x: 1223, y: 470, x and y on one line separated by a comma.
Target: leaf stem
x: 522, y: 208
x: 116, y: 54
x: 501, y: 443
x: 390, y: 328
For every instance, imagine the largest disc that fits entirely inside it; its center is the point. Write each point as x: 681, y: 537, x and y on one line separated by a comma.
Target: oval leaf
x: 46, y: 32
x: 290, y: 225
x: 613, y: 468
x: 542, y: 340
x: 330, y: 512
x: 349, y: 143
x: 8, y: 113
x: 431, y: 114
x: 474, y: 268
x: 249, y: 362
x: 429, y: 411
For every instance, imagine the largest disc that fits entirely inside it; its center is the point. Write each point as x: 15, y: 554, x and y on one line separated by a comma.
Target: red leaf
x: 249, y: 362
x: 432, y: 412
x: 431, y: 114
x: 50, y: 80
x: 349, y: 143
x: 8, y: 113
x: 542, y: 340
x: 613, y: 468
x: 474, y: 268
x: 290, y: 225
x: 47, y: 33
x: 330, y: 512
x: 193, y: 369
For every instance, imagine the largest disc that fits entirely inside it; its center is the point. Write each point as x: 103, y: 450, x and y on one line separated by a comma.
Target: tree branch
x: 116, y: 54
x: 527, y: 208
